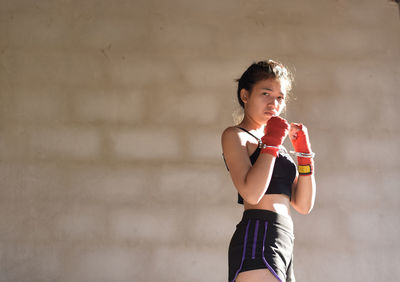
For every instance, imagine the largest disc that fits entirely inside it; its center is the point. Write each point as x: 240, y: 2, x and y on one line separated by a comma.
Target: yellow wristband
x: 304, y: 169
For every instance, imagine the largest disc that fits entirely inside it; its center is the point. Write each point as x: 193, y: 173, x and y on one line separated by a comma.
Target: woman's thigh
x: 257, y: 275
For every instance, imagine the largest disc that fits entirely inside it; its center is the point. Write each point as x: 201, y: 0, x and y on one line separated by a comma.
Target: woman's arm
x: 251, y: 181
x: 303, y: 193
x: 304, y: 187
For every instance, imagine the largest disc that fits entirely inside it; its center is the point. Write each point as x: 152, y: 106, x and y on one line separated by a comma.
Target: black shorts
x: 263, y: 239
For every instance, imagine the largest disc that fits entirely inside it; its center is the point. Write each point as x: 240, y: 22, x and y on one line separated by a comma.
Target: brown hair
x: 264, y: 70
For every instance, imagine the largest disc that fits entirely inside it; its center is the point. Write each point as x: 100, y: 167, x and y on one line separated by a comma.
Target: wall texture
x: 110, y: 121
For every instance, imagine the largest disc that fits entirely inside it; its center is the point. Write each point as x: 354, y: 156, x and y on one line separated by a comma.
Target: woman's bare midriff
x: 278, y: 203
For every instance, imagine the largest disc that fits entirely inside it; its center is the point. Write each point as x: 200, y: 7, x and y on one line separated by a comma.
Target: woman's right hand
x: 275, y: 132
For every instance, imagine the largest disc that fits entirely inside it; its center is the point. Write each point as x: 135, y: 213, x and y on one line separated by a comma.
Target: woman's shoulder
x: 229, y: 133
x: 230, y: 130
x: 233, y: 136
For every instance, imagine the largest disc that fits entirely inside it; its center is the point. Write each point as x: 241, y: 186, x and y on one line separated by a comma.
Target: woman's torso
x: 279, y: 203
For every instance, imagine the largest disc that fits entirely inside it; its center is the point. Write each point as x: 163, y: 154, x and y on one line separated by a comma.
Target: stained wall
x: 110, y: 120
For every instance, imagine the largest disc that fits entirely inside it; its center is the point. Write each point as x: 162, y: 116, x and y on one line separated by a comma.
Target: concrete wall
x: 110, y: 121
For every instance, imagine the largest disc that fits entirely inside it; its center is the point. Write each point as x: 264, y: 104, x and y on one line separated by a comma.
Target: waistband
x: 270, y: 216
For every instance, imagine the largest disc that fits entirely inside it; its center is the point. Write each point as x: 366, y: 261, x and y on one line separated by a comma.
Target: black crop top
x: 283, y: 174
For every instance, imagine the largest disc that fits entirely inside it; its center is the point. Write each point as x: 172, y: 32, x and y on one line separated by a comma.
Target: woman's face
x: 266, y: 99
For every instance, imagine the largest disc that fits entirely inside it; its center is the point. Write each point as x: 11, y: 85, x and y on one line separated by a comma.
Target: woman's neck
x: 252, y: 125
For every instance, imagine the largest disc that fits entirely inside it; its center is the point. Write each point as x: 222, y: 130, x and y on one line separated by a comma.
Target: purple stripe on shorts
x: 244, y: 251
x: 253, y: 254
x: 265, y: 261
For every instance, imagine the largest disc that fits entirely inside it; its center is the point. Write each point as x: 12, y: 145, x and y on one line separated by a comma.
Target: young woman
x: 265, y: 176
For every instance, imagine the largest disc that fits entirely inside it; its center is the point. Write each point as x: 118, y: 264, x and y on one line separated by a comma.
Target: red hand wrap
x: 274, y: 134
x: 301, y: 144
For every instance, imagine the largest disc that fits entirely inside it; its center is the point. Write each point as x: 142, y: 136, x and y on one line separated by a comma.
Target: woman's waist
x: 282, y: 221
x: 277, y: 203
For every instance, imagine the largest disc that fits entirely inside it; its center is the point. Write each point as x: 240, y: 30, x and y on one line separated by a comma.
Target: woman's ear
x: 244, y: 95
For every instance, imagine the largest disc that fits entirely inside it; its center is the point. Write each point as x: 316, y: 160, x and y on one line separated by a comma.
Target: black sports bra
x: 283, y: 174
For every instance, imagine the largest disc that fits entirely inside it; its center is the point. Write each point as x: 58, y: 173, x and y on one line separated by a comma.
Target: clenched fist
x: 275, y: 133
x: 298, y: 134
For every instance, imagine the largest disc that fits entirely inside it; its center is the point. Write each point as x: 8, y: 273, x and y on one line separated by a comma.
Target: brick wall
x: 110, y: 122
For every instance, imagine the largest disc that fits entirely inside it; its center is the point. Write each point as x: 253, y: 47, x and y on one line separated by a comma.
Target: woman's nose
x: 274, y: 101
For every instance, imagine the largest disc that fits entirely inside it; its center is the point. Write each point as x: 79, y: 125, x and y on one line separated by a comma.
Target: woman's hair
x: 264, y: 70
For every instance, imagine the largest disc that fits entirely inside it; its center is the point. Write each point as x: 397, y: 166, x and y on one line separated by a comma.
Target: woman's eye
x: 265, y: 93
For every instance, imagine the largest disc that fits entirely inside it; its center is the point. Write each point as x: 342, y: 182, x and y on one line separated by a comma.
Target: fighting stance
x: 266, y: 177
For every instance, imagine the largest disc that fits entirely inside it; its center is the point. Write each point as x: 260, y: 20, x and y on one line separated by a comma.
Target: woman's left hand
x: 298, y: 135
